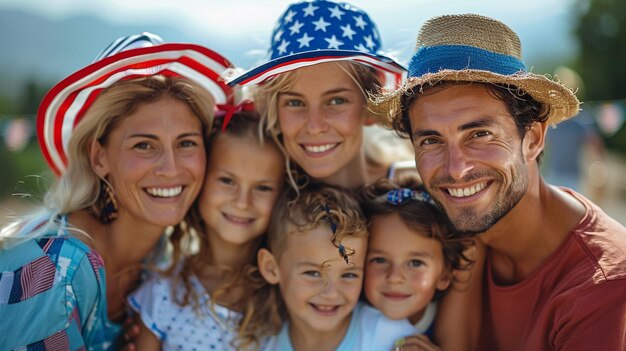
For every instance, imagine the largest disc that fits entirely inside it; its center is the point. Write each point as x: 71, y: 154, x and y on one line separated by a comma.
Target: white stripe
x: 359, y: 58
x: 6, y: 283
x: 70, y: 116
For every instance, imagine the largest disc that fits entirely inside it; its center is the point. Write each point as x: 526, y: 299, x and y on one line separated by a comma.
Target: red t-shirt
x: 576, y: 300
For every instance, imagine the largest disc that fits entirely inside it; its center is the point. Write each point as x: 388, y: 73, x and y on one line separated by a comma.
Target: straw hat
x: 129, y: 57
x: 317, y: 31
x: 474, y: 48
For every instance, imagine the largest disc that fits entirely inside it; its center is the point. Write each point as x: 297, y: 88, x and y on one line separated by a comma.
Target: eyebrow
x: 328, y: 92
x: 412, y: 253
x: 154, y: 137
x: 319, y: 265
x: 483, y: 122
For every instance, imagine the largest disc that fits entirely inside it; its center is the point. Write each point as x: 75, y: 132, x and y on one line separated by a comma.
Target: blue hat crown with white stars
x: 323, y: 25
x: 317, y: 31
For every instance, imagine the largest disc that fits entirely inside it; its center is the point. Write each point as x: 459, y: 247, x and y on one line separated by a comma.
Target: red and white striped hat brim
x: 66, y: 103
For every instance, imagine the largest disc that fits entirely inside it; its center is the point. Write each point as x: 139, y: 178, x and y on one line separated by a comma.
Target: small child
x: 198, y: 305
x: 411, y: 256
x: 313, y: 273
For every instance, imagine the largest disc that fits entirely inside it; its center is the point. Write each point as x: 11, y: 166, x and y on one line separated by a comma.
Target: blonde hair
x: 79, y: 186
x: 266, y: 101
x: 243, y: 125
x: 317, y: 204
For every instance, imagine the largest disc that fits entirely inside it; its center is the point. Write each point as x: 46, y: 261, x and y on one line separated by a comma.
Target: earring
x: 108, y: 203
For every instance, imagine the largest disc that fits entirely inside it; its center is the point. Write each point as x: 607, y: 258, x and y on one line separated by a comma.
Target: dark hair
x: 524, y: 109
x: 419, y: 216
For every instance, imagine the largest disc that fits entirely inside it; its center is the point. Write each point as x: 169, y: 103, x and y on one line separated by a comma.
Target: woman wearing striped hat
x: 125, y: 135
x: 312, y: 94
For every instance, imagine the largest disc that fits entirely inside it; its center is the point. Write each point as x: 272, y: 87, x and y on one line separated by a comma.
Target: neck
x: 352, y: 176
x: 522, y: 240
x: 417, y: 316
x: 121, y: 243
x: 304, y: 338
x: 227, y: 254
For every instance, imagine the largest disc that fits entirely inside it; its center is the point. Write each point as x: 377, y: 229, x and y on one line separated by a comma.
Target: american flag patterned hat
x: 130, y: 57
x: 317, y: 31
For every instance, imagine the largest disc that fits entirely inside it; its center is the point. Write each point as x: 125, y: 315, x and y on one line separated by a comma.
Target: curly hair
x: 419, y: 216
x: 317, y: 204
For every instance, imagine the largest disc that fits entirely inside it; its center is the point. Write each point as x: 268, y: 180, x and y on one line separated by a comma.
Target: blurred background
x: 583, y: 42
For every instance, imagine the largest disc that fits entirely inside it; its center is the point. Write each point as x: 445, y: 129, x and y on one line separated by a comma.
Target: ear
x: 368, y: 117
x: 444, y: 281
x: 534, y: 141
x: 98, y: 159
x: 268, y: 266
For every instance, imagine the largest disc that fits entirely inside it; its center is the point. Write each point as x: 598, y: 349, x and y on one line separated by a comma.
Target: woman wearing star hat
x: 325, y: 58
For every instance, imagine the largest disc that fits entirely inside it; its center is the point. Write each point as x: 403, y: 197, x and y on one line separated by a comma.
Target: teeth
x: 463, y: 192
x: 325, y: 308
x: 319, y: 148
x: 165, y: 192
x: 238, y: 219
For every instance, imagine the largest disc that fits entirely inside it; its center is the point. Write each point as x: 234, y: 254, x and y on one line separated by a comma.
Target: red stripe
x: 37, y: 277
x: 58, y: 341
x: 96, y: 262
x: 58, y: 118
x: 317, y: 58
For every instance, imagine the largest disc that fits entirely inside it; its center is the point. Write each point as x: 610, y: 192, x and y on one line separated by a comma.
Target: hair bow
x: 228, y: 110
x: 404, y: 195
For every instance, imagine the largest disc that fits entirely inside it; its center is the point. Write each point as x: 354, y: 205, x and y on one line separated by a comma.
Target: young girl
x: 325, y: 59
x: 197, y: 305
x: 312, y: 274
x: 411, y: 256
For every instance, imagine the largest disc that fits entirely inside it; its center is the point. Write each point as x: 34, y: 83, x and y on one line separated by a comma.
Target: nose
x: 395, y: 274
x: 241, y: 199
x: 167, y: 163
x: 330, y: 290
x: 458, y: 162
x: 316, y: 121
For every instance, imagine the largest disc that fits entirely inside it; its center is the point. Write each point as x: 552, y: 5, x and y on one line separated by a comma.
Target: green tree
x: 601, y: 33
x: 601, y: 63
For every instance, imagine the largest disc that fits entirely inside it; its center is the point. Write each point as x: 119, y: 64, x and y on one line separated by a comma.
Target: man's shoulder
x: 603, y: 240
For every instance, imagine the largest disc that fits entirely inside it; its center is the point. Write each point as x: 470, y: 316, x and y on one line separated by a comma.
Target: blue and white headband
x: 403, y: 195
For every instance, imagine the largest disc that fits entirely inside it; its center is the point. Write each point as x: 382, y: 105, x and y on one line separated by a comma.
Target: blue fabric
x: 311, y: 31
x: 460, y: 57
x: 320, y: 25
x: 369, y: 330
x: 71, y: 313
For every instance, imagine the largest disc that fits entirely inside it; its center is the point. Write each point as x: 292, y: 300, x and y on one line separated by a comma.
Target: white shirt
x: 182, y: 327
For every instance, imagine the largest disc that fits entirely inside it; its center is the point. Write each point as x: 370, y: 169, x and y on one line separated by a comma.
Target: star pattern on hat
x: 323, y: 25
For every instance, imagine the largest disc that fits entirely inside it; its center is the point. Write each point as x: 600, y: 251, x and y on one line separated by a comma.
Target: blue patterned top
x: 53, y: 296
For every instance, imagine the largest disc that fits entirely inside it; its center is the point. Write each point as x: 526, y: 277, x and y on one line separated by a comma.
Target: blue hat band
x: 461, y: 57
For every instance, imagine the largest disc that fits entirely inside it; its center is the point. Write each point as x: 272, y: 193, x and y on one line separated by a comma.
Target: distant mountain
x: 43, y: 50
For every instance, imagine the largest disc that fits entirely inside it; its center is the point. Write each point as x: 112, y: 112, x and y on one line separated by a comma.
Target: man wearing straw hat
x: 555, y: 275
